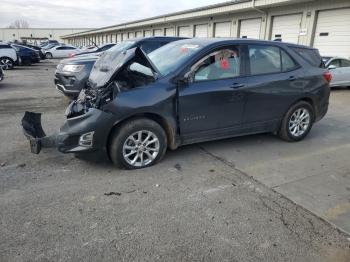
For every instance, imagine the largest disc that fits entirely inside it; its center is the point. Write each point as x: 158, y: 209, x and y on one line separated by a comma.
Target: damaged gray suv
x: 186, y: 92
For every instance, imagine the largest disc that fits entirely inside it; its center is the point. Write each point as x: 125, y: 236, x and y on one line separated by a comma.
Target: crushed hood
x: 110, y: 63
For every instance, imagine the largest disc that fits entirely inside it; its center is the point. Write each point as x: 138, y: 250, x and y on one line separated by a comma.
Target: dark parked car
x: 98, y: 51
x: 71, y: 74
x: 37, y: 48
x: 190, y: 91
x: 27, y: 55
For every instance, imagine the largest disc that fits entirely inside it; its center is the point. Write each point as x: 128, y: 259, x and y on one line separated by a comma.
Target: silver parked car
x: 340, y: 69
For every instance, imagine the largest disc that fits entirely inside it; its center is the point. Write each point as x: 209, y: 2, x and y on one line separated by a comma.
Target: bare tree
x: 19, y: 23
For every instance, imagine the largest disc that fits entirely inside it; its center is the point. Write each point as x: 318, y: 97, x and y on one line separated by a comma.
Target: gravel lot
x: 217, y: 201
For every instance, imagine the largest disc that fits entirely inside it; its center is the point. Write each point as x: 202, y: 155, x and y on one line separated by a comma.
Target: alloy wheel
x: 141, y: 148
x: 299, y: 122
x: 6, y: 63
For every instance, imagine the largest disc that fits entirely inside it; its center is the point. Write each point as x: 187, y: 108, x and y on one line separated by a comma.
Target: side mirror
x: 332, y: 67
x: 182, y: 81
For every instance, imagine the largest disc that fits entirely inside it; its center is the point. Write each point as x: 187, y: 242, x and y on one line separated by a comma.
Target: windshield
x: 169, y: 57
x: 107, y: 64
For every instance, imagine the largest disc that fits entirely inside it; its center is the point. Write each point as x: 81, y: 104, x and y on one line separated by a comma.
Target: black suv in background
x: 71, y: 74
x: 190, y: 91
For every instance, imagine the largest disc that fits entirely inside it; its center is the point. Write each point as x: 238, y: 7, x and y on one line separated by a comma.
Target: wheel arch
x: 168, y: 126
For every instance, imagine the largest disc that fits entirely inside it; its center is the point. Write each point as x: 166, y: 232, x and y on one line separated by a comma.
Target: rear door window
x: 345, y: 63
x: 288, y: 63
x: 264, y: 59
x: 269, y: 59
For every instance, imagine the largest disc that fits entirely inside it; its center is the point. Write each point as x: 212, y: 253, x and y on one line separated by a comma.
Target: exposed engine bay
x: 130, y: 77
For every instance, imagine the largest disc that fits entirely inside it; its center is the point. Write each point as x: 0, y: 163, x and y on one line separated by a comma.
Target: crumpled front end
x: 89, y: 119
x: 81, y: 131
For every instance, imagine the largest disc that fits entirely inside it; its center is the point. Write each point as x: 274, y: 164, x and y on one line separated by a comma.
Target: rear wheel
x: 137, y: 144
x: 297, y: 122
x: 48, y: 55
x: 6, y: 63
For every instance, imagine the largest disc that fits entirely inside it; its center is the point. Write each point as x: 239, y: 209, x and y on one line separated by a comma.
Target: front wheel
x: 48, y: 55
x: 297, y: 122
x: 137, y: 144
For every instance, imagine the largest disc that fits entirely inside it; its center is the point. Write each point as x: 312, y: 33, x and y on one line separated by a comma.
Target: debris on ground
x: 21, y: 165
x: 113, y: 194
x: 178, y: 167
x: 3, y: 164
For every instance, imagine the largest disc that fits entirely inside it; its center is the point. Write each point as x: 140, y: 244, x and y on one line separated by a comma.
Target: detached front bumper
x: 83, y: 133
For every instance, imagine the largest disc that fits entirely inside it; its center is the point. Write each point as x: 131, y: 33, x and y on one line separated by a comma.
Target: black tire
x: 285, y: 132
x: 48, y: 55
x: 7, y: 65
x: 121, y: 135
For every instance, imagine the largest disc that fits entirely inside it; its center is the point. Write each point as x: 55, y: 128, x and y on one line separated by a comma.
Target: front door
x: 212, y: 103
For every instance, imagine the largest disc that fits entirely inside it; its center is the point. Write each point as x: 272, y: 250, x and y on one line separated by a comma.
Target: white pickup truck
x: 8, y: 56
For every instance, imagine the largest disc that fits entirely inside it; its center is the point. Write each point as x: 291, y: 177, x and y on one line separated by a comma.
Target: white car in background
x: 8, y: 56
x: 340, y: 70
x: 61, y: 51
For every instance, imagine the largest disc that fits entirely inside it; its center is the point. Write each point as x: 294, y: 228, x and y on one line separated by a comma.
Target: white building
x: 324, y: 24
x: 9, y: 34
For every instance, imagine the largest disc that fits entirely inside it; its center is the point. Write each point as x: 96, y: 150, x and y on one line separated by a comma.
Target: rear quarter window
x: 312, y: 56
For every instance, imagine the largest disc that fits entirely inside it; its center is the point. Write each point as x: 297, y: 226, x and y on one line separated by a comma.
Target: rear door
x: 212, y: 102
x: 271, y: 86
x: 68, y: 50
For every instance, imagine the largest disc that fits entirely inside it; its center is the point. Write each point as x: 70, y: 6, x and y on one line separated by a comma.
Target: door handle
x: 291, y: 78
x: 236, y: 85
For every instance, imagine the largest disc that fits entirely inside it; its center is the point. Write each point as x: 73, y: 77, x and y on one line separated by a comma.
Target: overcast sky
x: 89, y: 13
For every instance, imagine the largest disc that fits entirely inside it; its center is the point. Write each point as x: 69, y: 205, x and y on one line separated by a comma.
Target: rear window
x: 312, y: 56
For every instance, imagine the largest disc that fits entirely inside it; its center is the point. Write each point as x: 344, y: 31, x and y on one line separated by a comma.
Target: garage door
x: 119, y: 38
x: 148, y: 33
x: 131, y: 35
x: 286, y: 28
x: 125, y: 36
x: 169, y: 31
x: 113, y: 38
x: 158, y: 32
x: 139, y: 34
x: 201, y: 30
x: 184, y: 31
x: 250, y: 28
x: 332, y: 34
x: 222, y: 29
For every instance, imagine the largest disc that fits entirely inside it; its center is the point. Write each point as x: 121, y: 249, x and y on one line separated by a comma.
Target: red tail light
x: 327, y: 76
